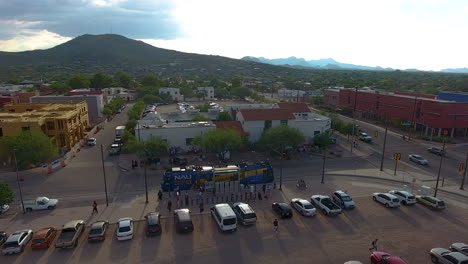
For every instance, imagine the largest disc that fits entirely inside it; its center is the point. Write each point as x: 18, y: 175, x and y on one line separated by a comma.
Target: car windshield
x: 308, y: 206
x: 395, y: 200
x: 346, y: 198
x: 249, y: 216
x: 440, y: 203
x: 38, y: 241
x: 10, y: 244
x: 124, y: 229
x: 229, y: 221
x: 411, y: 197
x: 153, y: 227
x: 418, y: 157
x: 45, y: 200
x: 95, y: 231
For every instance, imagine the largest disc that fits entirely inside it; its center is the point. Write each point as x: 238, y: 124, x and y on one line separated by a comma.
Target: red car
x: 379, y: 257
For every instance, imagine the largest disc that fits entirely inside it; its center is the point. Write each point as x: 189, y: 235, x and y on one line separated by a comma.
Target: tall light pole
x: 354, y: 118
x: 323, y: 165
x: 462, y: 186
x: 18, y: 181
x: 440, y: 165
x: 144, y: 168
x: 412, y: 117
x: 104, y: 173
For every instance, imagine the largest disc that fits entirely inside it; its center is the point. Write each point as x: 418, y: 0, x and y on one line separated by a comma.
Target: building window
x: 349, y: 99
x: 50, y: 126
x: 1, y: 132
x: 188, y: 141
x: 316, y: 133
x: 267, y: 124
x: 284, y: 122
x: 26, y: 129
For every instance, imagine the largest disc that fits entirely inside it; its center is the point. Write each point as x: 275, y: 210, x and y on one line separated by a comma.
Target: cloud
x: 71, y: 18
x: 31, y: 40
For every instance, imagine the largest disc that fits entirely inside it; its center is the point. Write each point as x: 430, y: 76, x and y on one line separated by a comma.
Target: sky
x: 401, y: 34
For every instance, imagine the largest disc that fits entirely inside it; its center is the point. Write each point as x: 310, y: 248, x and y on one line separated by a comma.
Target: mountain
x: 456, y: 70
x: 321, y: 63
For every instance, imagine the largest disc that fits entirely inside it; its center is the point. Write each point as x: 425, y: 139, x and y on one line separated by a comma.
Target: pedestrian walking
x: 95, y: 210
x: 264, y: 189
x: 169, y: 205
x: 275, y: 226
x: 136, y: 164
x: 259, y: 196
x: 201, y: 207
x: 186, y: 198
x: 133, y: 164
x: 374, y: 245
x: 160, y: 195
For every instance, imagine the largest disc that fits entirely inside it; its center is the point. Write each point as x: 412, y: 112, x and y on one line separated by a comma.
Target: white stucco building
x: 121, y: 92
x: 178, y: 134
x: 297, y: 115
x: 173, y: 92
x: 207, y: 91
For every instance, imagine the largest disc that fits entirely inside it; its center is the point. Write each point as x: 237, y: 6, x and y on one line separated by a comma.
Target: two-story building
x: 173, y: 92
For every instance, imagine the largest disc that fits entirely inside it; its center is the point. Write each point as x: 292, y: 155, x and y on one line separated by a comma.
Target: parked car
x: 153, y: 223
x: 437, y: 151
x: 41, y: 203
x: 16, y: 242
x: 124, y: 229
x: 4, y: 208
x: 418, y: 159
x: 387, y: 199
x: 183, y: 220
x: 405, y: 197
x: 445, y: 256
x: 460, y: 247
x: 365, y: 137
x: 342, y: 199
x: 353, y: 262
x: 43, y: 238
x: 282, y: 209
x: 379, y: 257
x: 3, y: 237
x: 326, y: 204
x: 244, y: 213
x: 98, y: 231
x: 303, y: 206
x: 92, y: 142
x: 70, y: 234
x: 431, y: 202
x: 118, y: 141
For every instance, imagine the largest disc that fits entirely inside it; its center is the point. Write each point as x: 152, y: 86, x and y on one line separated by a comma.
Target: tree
x: 136, y: 110
x: 100, y: 80
x: 6, y: 194
x: 203, y: 107
x: 78, y: 81
x: 149, y: 149
x: 219, y: 140
x: 322, y: 140
x: 317, y: 100
x: 200, y: 118
x: 150, y: 98
x: 123, y: 79
x: 279, y: 138
x: 151, y: 81
x: 107, y: 111
x: 241, y: 92
x: 224, y: 116
x: 32, y: 148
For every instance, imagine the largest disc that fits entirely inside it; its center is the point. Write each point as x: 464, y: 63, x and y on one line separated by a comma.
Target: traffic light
x: 397, y: 156
x: 461, y: 167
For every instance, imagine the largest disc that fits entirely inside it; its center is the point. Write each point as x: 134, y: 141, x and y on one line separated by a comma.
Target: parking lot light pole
x: 440, y: 165
x: 462, y: 186
x: 104, y: 174
x: 354, y: 119
x: 18, y: 181
x: 323, y: 165
x: 383, y: 150
x: 144, y: 169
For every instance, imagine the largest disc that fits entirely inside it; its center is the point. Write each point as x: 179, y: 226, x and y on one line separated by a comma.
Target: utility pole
x: 323, y: 165
x: 18, y: 181
x: 354, y: 119
x: 144, y: 169
x: 440, y: 164
x: 383, y: 150
x: 412, y: 117
x: 462, y: 187
x: 281, y: 179
x: 104, y: 173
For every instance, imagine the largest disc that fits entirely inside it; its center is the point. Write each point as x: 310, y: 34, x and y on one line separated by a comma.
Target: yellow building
x: 65, y: 123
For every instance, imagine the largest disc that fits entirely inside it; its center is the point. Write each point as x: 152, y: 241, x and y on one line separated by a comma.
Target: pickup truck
x: 70, y: 234
x: 41, y: 203
x: 326, y: 204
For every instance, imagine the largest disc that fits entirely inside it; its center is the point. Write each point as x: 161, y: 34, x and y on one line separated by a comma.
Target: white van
x: 224, y: 217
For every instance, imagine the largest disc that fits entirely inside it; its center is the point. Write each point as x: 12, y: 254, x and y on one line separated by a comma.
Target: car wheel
x: 434, y: 259
x: 386, y: 205
x: 50, y: 207
x: 404, y: 202
x: 373, y: 198
x: 28, y: 209
x: 373, y: 261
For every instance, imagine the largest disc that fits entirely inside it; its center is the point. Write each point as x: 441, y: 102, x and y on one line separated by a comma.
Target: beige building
x: 65, y: 123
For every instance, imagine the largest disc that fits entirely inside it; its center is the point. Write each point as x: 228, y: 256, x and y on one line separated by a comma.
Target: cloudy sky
x: 422, y: 34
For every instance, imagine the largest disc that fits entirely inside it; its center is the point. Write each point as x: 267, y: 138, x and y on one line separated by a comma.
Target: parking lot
x: 409, y: 232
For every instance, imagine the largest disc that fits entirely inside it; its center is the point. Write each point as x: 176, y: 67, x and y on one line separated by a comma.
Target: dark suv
x: 437, y: 151
x: 153, y: 224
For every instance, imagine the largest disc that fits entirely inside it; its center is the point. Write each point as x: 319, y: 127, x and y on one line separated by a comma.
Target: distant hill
x: 322, y: 63
x: 456, y: 70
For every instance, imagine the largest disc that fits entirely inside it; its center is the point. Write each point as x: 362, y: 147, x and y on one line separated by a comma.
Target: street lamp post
x: 462, y: 186
x: 18, y: 181
x: 323, y: 165
x: 354, y: 119
x: 383, y: 150
x: 440, y: 165
x: 144, y: 169
x: 104, y: 174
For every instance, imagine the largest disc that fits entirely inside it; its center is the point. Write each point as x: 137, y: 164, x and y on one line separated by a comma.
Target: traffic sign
x: 397, y: 156
x: 461, y: 167
x: 406, y: 124
x: 376, y: 133
x: 445, y: 132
